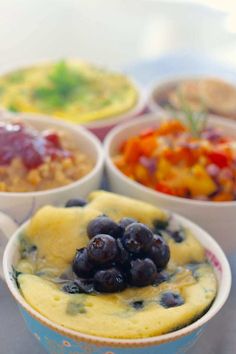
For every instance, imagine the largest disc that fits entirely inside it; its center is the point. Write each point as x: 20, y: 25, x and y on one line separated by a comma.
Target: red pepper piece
x: 219, y: 158
x: 163, y: 188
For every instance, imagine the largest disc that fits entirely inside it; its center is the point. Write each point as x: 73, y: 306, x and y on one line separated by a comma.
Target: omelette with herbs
x: 70, y: 90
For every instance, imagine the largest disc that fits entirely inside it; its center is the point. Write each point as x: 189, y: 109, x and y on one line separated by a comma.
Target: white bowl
x: 20, y: 206
x: 171, y: 343
x: 159, y: 85
x: 217, y: 218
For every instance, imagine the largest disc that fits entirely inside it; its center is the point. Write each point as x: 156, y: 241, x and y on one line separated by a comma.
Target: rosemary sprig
x: 195, y: 121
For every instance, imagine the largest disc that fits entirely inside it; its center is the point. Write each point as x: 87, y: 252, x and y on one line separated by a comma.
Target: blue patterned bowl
x: 60, y: 340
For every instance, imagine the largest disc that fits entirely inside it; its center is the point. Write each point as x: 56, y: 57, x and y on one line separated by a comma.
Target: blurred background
x: 115, y: 33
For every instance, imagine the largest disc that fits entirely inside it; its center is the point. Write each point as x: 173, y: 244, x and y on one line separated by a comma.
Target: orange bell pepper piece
x: 132, y: 150
x: 170, y: 127
x: 183, y: 155
x: 223, y: 197
x: 147, y: 145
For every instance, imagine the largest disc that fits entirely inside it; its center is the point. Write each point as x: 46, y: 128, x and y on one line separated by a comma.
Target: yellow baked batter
x: 58, y: 232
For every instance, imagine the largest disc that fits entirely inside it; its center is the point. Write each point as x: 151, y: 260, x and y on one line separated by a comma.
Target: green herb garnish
x: 64, y: 84
x: 195, y: 121
x: 2, y: 90
x: 16, y: 77
x: 13, y: 107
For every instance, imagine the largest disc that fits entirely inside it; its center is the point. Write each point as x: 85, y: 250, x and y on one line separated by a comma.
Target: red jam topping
x: 32, y: 146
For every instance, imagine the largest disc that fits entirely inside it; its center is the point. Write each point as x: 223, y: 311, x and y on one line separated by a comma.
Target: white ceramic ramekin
x: 18, y: 207
x: 158, y: 86
x: 217, y: 218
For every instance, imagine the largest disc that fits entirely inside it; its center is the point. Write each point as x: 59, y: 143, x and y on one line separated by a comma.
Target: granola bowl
x: 25, y: 190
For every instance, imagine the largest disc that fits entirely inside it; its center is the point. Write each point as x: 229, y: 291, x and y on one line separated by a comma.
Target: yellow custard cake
x: 129, y: 305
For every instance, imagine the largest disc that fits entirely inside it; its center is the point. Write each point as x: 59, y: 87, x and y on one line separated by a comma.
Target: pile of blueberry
x: 118, y: 255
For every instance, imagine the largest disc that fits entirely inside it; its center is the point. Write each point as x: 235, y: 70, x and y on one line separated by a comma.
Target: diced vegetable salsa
x: 172, y: 160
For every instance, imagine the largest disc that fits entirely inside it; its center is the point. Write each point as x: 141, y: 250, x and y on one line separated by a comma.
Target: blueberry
x: 138, y: 305
x: 124, y: 222
x: 143, y: 272
x: 85, y: 285
x: 28, y: 250
x: 160, y: 225
x: 123, y: 256
x: 102, y: 249
x: 159, y: 252
x: 76, y: 202
x: 178, y: 236
x: 175, y: 231
x: 170, y: 299
x: 81, y: 265
x: 161, y: 278
x: 137, y: 238
x: 32, y: 248
x: 109, y: 281
x: 71, y: 288
x: 104, y: 225
x: 193, y: 267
